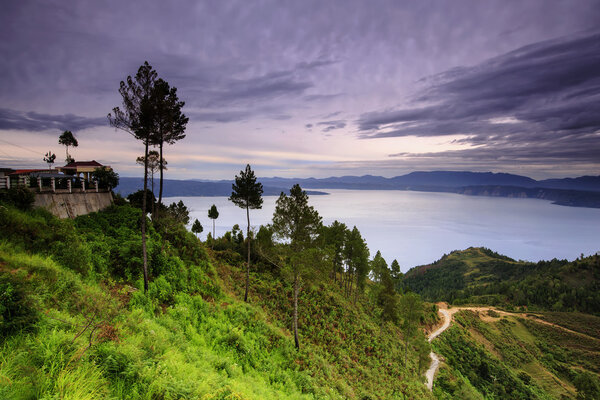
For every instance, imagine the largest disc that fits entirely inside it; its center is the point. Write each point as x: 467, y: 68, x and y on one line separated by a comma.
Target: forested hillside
x: 76, y: 324
x: 481, y: 276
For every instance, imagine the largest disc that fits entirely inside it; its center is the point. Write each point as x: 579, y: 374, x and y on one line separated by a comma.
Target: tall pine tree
x: 247, y: 193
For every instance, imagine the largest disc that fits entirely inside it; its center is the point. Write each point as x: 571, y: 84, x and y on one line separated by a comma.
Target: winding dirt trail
x: 447, y: 315
x: 435, y: 361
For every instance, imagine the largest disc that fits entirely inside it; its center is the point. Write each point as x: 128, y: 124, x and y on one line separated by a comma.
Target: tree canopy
x: 197, y: 227
x: 247, y: 192
x: 170, y: 122
x: 106, y: 177
x: 68, y: 139
x: 295, y: 220
x: 298, y: 223
x: 138, y: 118
x: 49, y: 158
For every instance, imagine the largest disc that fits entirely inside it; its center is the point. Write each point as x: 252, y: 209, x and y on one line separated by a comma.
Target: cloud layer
x: 540, y: 101
x: 32, y: 121
x: 315, y: 79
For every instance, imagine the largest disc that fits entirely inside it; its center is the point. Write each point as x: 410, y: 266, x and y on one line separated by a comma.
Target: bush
x: 19, y: 197
x: 136, y: 199
x: 17, y: 311
x: 40, y: 231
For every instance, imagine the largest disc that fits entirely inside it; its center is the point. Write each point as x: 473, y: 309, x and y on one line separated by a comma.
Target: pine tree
x: 297, y: 222
x: 197, y: 227
x: 138, y: 119
x: 247, y: 193
x: 170, y: 122
x: 213, y: 214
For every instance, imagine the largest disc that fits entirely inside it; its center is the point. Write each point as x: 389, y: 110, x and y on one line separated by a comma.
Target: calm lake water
x: 417, y: 228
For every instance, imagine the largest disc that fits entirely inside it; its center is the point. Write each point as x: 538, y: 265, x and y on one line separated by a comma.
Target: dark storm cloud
x: 539, y: 101
x: 32, y: 121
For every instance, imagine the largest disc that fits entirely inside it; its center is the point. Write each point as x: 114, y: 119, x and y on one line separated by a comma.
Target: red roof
x: 76, y: 164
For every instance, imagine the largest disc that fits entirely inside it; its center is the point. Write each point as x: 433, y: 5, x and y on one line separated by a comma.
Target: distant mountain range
x: 583, y: 191
x: 441, y: 179
x: 182, y: 188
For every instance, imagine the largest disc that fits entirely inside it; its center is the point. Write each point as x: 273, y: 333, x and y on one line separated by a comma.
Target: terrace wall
x: 71, y: 205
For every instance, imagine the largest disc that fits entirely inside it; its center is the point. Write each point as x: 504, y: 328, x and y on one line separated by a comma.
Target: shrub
x: 19, y: 197
x: 17, y: 311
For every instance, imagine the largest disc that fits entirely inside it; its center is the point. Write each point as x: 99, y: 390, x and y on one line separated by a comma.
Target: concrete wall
x: 71, y: 205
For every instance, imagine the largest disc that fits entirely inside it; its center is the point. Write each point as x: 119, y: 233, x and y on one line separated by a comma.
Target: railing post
x: 40, y: 183
x: 83, y: 185
x: 69, y: 186
x: 96, y: 183
x: 53, y: 181
x: 8, y: 182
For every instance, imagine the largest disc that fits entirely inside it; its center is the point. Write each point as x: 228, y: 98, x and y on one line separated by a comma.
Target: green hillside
x: 481, y: 276
x: 515, y: 357
x: 76, y: 324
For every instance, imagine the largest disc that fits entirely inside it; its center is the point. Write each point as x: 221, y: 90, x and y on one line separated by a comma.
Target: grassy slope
x: 489, y: 357
x: 535, y: 360
x: 85, y: 331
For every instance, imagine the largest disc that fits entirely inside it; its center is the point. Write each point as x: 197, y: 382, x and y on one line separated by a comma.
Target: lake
x: 417, y: 228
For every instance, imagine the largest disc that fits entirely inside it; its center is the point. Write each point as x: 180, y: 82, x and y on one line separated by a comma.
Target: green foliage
x: 411, y: 312
x: 41, y: 232
x: 480, y: 276
x: 20, y: 197
x: 356, y: 254
x: 106, y: 177
x: 136, y: 199
x: 247, y: 192
x: 588, y: 386
x: 179, y: 212
x: 197, y: 227
x: 388, y: 298
x: 295, y: 220
x: 575, y: 321
x: 183, y: 338
x: 17, y: 308
x: 68, y: 139
x: 395, y: 271
x: 487, y: 374
x: 213, y: 213
x: 517, y: 358
x: 335, y: 237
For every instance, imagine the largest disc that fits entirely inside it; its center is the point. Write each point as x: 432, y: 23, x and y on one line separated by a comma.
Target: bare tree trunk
x: 248, y: 264
x: 160, y: 166
x: 152, y: 186
x: 296, y: 290
x: 144, y: 218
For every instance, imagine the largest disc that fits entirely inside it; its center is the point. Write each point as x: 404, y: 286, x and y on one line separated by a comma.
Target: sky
x: 311, y: 88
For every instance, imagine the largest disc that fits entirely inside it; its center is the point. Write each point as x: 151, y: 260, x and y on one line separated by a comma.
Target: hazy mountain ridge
x: 583, y: 191
x: 174, y: 187
x: 442, y: 179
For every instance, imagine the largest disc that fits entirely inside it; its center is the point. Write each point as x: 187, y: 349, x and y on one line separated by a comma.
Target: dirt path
x: 435, y: 361
x: 448, y: 313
